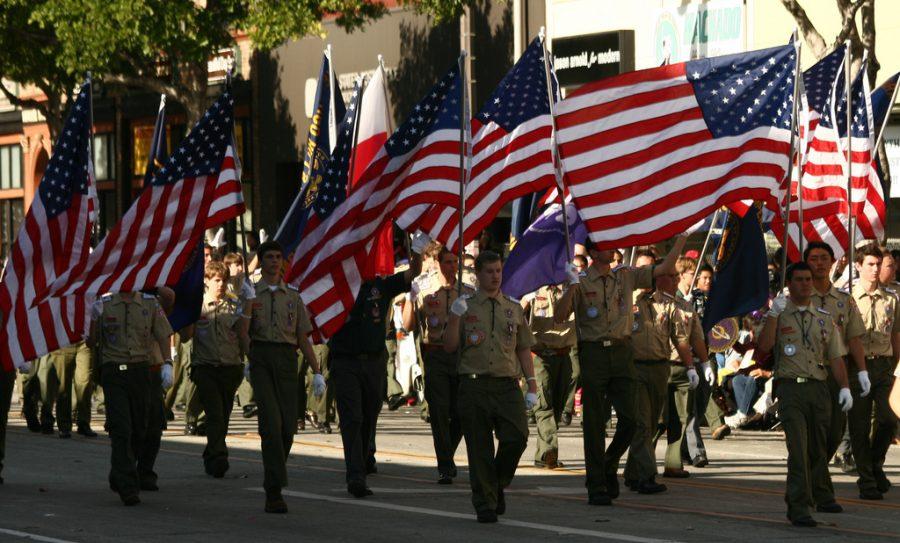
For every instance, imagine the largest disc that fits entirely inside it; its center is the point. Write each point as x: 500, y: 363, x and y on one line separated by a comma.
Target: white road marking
x: 33, y: 537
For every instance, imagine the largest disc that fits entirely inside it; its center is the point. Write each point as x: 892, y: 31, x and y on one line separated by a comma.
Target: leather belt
x: 608, y: 342
x: 431, y: 347
x: 126, y: 367
x: 553, y: 352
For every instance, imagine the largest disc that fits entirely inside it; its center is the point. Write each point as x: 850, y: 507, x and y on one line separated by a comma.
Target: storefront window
x: 11, y: 213
x: 11, y: 166
x: 104, y: 157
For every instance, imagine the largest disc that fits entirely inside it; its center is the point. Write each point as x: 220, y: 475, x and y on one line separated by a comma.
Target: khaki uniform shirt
x: 128, y: 328
x: 843, y: 311
x: 215, y: 339
x: 657, y: 326
x: 548, y: 334
x: 276, y: 312
x: 432, y: 309
x: 603, y: 302
x: 805, y: 342
x: 690, y: 321
x: 493, y: 330
x: 880, y: 312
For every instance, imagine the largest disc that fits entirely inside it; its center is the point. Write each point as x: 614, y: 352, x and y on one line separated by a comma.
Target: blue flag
x: 158, y: 149
x: 741, y: 281
x: 881, y: 98
x: 539, y: 256
x: 317, y: 155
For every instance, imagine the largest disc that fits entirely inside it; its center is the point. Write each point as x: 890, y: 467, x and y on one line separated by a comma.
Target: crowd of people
x: 818, y: 361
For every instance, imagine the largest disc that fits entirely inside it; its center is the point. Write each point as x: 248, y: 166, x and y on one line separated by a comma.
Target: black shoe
x: 65, y: 434
x: 832, y: 507
x: 31, y: 420
x: 501, y: 502
x: 881, y: 481
x: 394, y: 402
x: 700, y: 461
x: 130, y: 499
x: 201, y: 430
x: 371, y: 468
x: 250, y: 411
x: 487, y: 516
x: 452, y: 473
x: 531, y: 419
x: 86, y: 431
x: 650, y: 487
x: 149, y: 486
x: 804, y: 522
x: 565, y: 419
x: 846, y: 462
x: 275, y: 502
x: 190, y: 429
x: 599, y: 499
x: 170, y: 415
x: 612, y: 485
x: 359, y: 489
x: 324, y: 428
x: 444, y: 479
x: 870, y: 494
x: 47, y: 427
x: 632, y: 484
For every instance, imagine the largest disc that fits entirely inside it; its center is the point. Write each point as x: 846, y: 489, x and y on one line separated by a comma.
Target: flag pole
x: 794, y: 147
x: 851, y: 228
x: 557, y: 170
x: 700, y: 258
x: 390, y: 124
x: 332, y: 121
x: 887, y: 115
x: 95, y: 227
x: 463, y: 152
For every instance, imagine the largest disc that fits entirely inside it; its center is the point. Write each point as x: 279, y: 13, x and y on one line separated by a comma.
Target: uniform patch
x: 787, y: 330
x: 509, y: 313
x: 592, y: 312
x: 432, y: 301
x: 475, y: 337
x: 510, y: 327
x: 433, y: 321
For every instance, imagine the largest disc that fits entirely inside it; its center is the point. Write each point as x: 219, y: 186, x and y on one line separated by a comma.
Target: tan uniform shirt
x: 127, y: 328
x: 276, y: 310
x: 880, y: 312
x: 603, y: 302
x: 548, y: 334
x: 805, y: 342
x: 433, y: 307
x: 215, y: 339
x: 843, y: 311
x: 493, y: 330
x: 657, y: 326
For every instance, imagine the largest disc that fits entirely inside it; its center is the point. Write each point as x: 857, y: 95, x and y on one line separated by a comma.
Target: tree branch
x: 25, y: 103
x: 848, y: 10
x: 810, y: 35
x: 150, y: 83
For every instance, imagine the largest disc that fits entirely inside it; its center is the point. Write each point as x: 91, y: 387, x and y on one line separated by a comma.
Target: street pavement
x: 56, y: 491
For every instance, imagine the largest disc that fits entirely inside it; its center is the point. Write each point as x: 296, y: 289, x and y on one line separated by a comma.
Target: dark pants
x: 870, y: 445
x: 126, y: 390
x: 554, y: 375
x: 359, y: 385
x: 489, y: 406
x: 441, y: 391
x: 607, y: 373
x: 216, y: 386
x: 693, y: 446
x: 7, y: 383
x: 273, y: 371
x: 649, y: 399
x: 678, y: 414
x: 156, y: 423
x: 574, y: 382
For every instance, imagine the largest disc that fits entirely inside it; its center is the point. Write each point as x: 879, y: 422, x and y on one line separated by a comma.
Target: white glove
x: 263, y: 237
x: 845, y: 399
x: 167, y: 376
x: 864, y: 384
x: 247, y: 290
x: 459, y: 307
x: 694, y: 227
x: 708, y: 373
x: 25, y: 368
x: 219, y: 239
x: 318, y: 385
x: 531, y: 400
x: 688, y: 298
x: 247, y: 371
x: 572, y: 272
x: 414, y: 290
x: 96, y: 310
x: 693, y: 378
x: 419, y: 241
x: 173, y: 352
x: 778, y: 305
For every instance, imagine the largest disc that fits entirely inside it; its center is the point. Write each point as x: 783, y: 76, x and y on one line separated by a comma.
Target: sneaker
x: 736, y: 421
x: 250, y: 411
x: 721, y: 432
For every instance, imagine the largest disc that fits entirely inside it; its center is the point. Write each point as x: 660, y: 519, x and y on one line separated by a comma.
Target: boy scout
x: 658, y: 326
x: 496, y: 342
x: 278, y: 326
x: 553, y: 369
x: 220, y: 342
x: 804, y: 340
x: 880, y: 311
x: 602, y: 303
x: 62, y: 371
x: 122, y: 326
x: 432, y: 308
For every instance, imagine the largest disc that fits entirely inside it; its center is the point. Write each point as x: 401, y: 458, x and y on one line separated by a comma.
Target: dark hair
x: 645, y: 253
x: 443, y: 251
x: 817, y: 245
x: 869, y: 249
x: 267, y: 246
x: 705, y: 268
x: 796, y: 267
x: 486, y: 257
x: 582, y: 257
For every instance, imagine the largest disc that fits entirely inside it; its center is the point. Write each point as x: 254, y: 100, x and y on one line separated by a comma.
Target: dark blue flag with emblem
x: 328, y: 113
x: 741, y: 282
x: 882, y: 100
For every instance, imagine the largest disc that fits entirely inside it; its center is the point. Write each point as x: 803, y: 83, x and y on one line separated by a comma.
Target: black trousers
x: 126, y: 393
x: 359, y: 384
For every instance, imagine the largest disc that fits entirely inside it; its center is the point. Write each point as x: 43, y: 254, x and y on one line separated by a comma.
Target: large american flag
x: 198, y: 188
x: 511, y: 151
x: 54, y: 237
x: 417, y: 167
x: 647, y: 154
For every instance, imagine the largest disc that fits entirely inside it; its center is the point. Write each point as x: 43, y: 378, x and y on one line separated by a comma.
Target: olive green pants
x: 679, y: 409
x: 7, y: 383
x: 574, y: 382
x: 321, y: 406
x: 805, y: 413
x: 870, y: 445
x: 216, y: 386
x: 61, y: 372
x: 489, y: 406
x: 837, y: 423
x: 649, y: 397
x: 273, y: 373
x: 554, y: 375
x: 393, y: 385
x: 441, y: 391
x: 607, y: 374
x: 31, y: 390
x: 126, y: 389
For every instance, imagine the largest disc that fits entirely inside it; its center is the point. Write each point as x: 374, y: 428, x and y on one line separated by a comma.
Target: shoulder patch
x: 292, y: 287
x: 890, y: 290
x: 844, y: 290
x: 148, y: 296
x: 467, y: 296
x: 820, y: 310
x: 106, y: 297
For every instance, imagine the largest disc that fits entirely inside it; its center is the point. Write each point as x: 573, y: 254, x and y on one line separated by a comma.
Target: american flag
x: 511, y: 151
x: 418, y: 166
x: 649, y: 153
x: 198, y: 188
x: 54, y: 237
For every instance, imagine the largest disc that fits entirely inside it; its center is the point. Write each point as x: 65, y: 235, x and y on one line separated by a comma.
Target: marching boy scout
x: 220, y: 342
x: 804, y: 341
x: 121, y: 324
x: 602, y: 301
x: 496, y: 349
x: 278, y: 326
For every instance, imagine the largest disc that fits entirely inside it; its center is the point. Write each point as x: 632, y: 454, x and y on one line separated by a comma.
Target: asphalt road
x: 56, y: 491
